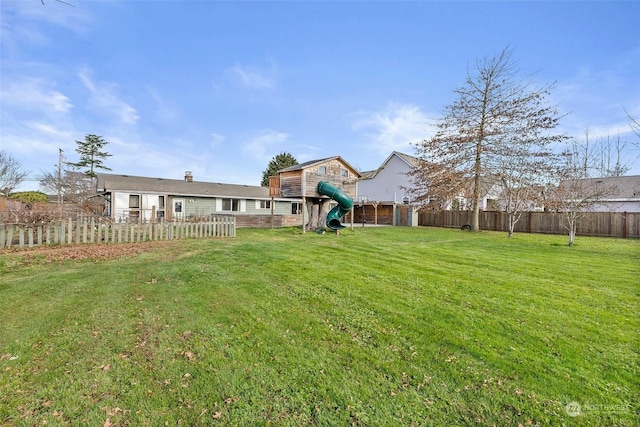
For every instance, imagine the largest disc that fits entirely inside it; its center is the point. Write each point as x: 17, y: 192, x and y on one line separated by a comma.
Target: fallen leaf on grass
x: 79, y: 252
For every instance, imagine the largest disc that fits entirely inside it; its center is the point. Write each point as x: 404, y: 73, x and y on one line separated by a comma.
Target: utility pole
x: 59, y: 183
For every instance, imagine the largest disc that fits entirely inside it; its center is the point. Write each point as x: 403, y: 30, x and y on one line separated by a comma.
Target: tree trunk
x: 312, y: 209
x: 511, y: 223
x: 572, y: 237
x: 325, y: 204
x: 477, y: 170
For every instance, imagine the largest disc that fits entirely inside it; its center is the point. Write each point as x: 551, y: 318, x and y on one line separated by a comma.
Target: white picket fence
x: 92, y: 230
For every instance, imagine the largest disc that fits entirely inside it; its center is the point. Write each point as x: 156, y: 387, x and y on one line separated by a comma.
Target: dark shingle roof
x: 305, y: 165
x: 628, y: 187
x: 177, y: 187
x: 310, y: 163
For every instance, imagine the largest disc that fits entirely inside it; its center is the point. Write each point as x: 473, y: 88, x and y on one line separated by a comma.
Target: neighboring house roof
x: 628, y: 187
x: 177, y: 187
x: 311, y: 163
x: 411, y: 161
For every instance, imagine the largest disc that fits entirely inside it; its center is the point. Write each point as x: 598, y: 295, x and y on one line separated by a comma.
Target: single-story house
x: 613, y: 194
x: 137, y: 197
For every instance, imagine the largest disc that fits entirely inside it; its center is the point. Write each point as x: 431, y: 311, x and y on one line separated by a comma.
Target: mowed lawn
x: 376, y: 326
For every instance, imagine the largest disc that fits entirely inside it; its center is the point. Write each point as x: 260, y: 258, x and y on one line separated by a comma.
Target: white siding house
x: 387, y: 183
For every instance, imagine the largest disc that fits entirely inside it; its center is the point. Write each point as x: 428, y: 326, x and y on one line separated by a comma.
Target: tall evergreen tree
x: 281, y: 161
x: 91, y: 155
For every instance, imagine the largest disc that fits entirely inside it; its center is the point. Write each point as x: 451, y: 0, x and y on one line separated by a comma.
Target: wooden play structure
x: 320, y: 184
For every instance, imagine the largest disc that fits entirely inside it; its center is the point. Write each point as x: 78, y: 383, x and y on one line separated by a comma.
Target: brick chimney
x: 188, y: 177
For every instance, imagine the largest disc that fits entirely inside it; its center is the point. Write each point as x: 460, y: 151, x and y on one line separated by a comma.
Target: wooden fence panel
x: 88, y: 231
x: 606, y: 224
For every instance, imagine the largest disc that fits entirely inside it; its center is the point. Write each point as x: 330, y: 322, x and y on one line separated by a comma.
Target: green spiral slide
x: 345, y: 203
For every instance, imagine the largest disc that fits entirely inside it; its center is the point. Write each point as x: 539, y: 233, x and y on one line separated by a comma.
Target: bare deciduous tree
x: 73, y: 187
x: 610, y: 155
x: 522, y: 180
x: 578, y: 191
x: 497, y: 115
x: 11, y: 175
x: 633, y: 123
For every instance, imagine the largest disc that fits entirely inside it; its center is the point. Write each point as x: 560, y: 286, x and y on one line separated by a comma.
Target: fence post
x: 70, y: 232
x: 10, y: 236
x: 77, y: 233
x: 21, y: 237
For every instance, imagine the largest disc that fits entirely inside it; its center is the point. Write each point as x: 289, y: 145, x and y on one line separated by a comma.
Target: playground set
x: 319, y: 183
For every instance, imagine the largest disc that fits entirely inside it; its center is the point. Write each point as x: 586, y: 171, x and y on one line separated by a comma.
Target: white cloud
x: 165, y: 112
x: 21, y: 22
x: 261, y: 145
x: 393, y: 128
x: 217, y: 139
x: 596, y: 97
x: 50, y: 131
x: 255, y: 79
x: 35, y: 93
x: 105, y: 99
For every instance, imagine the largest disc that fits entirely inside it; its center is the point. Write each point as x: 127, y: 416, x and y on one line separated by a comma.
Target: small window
x: 232, y: 205
x: 134, y: 201
x: 344, y: 173
x: 160, y: 202
x: 296, y: 208
x: 134, y: 207
x: 322, y: 170
x: 265, y: 204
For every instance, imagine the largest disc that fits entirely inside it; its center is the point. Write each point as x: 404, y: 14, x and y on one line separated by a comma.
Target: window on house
x: 134, y: 206
x: 322, y: 170
x: 344, y: 173
x: 232, y: 205
x: 161, y: 207
x: 134, y: 201
x: 265, y: 204
x: 296, y: 208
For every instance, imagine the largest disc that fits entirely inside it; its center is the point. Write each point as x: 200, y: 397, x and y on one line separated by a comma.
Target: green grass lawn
x: 376, y: 326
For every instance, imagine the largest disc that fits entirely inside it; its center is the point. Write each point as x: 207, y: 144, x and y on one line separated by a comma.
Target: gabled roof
x: 628, y: 187
x: 177, y: 187
x: 411, y: 161
x: 311, y: 163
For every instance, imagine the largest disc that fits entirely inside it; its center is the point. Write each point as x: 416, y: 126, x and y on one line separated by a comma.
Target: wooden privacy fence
x: 604, y: 224
x: 92, y: 230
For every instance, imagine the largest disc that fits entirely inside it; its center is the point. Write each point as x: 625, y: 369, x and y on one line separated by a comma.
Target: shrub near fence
x: 604, y: 224
x: 92, y: 230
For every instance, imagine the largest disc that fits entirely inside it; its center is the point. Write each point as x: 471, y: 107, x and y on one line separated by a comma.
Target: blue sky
x: 219, y: 88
